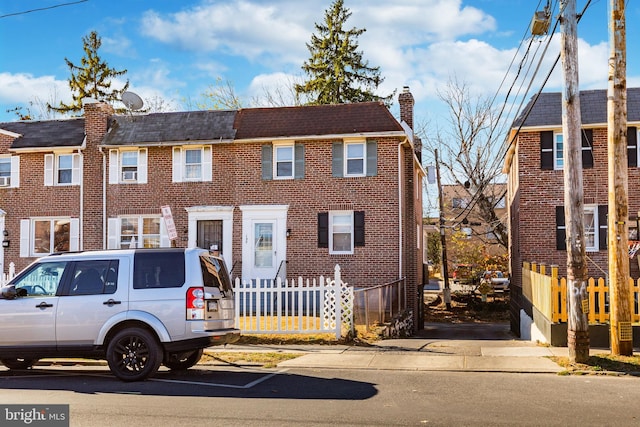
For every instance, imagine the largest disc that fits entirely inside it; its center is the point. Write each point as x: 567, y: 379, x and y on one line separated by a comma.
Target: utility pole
x: 446, y: 292
x: 577, y: 300
x: 621, y: 332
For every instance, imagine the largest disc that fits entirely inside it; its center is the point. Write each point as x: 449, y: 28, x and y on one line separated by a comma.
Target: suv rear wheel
x: 134, y: 354
x: 183, y: 360
x: 18, y: 363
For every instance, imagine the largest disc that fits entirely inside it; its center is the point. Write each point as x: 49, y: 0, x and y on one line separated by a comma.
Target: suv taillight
x: 195, y: 303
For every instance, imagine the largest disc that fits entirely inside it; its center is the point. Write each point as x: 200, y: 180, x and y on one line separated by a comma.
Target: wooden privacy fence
x: 548, y: 294
x: 294, y: 306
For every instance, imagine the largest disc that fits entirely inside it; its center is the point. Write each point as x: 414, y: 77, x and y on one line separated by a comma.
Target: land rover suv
x: 136, y: 308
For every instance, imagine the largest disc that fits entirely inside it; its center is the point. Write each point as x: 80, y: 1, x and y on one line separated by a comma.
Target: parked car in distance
x: 136, y: 308
x: 498, y: 280
x: 465, y: 274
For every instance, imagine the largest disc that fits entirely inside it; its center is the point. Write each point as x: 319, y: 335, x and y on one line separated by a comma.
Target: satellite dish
x: 132, y: 100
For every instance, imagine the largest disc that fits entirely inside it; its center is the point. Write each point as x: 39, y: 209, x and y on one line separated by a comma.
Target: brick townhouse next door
x: 264, y: 241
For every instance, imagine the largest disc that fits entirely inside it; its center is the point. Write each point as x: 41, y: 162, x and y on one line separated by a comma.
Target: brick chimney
x: 405, y: 99
x: 96, y: 120
x: 96, y: 124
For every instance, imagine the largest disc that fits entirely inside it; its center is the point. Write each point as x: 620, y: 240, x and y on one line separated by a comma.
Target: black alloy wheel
x: 134, y: 354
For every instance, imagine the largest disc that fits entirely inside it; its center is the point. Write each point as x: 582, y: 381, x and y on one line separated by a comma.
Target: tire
x: 18, y: 363
x: 184, y: 360
x: 134, y: 354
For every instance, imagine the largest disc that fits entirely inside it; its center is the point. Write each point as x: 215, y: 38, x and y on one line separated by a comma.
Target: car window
x: 214, y: 273
x: 41, y: 280
x: 94, y: 277
x: 158, y: 270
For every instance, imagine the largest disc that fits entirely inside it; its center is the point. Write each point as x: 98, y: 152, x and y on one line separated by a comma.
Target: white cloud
x: 23, y: 87
x: 240, y: 28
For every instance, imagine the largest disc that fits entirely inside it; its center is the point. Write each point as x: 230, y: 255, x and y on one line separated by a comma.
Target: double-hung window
x: 355, y: 160
x: 128, y: 166
x: 145, y: 231
x: 42, y: 236
x: 192, y: 164
x: 5, y: 171
x: 595, y: 228
x: 284, y: 161
x: 354, y: 157
x: 341, y: 231
x: 552, y: 149
x: 62, y: 169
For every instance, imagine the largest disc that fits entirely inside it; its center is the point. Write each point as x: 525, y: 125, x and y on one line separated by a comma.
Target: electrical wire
x: 42, y: 8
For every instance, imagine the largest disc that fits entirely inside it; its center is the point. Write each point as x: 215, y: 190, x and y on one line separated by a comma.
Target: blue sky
x: 173, y: 50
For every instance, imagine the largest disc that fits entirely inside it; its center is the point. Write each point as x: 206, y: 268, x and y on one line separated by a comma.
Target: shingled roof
x: 547, y: 109
x: 335, y: 119
x: 157, y: 128
x: 47, y: 133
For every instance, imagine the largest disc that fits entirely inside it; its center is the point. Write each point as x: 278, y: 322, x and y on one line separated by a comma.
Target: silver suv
x: 137, y: 308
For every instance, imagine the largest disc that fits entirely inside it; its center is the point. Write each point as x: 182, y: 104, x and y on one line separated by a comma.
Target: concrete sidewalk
x: 439, y: 347
x: 419, y: 355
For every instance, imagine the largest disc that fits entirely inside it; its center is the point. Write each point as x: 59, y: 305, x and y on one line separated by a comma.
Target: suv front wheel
x: 134, y: 354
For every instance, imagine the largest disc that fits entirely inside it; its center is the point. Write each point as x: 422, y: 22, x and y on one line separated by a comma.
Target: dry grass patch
x: 601, y: 364
x: 265, y: 360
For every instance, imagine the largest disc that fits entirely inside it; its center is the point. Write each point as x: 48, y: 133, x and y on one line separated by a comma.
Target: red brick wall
x: 540, y: 191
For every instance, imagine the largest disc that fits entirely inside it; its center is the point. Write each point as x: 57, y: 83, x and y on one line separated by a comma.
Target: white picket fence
x: 294, y: 306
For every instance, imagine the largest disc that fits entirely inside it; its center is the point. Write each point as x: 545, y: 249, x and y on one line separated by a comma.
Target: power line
x: 42, y: 8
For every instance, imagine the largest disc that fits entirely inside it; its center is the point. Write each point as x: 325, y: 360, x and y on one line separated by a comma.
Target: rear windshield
x: 214, y: 273
x: 158, y: 269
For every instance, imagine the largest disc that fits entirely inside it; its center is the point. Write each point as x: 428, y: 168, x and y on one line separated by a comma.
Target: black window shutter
x: 603, y: 224
x: 299, y: 158
x: 323, y: 229
x: 372, y: 158
x: 632, y: 147
x: 546, y: 150
x: 267, y: 162
x: 358, y: 228
x: 337, y: 162
x: 587, y: 154
x: 561, y: 231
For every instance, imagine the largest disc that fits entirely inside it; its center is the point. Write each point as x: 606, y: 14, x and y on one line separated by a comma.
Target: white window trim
x: 290, y: 145
x: 14, y: 172
x: 115, y: 166
x: 596, y: 228
x: 556, y: 158
x: 332, y: 214
x: 179, y: 164
x: 114, y: 236
x: 27, y: 237
x: 347, y: 143
x: 52, y: 165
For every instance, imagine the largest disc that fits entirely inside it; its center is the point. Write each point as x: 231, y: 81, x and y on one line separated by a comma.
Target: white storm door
x: 263, y: 251
x: 264, y: 239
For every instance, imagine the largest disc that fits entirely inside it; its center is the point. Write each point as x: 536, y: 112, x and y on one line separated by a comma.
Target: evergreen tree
x: 336, y: 70
x: 92, y: 78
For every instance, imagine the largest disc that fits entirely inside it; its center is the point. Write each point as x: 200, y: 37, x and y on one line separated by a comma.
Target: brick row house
x: 534, y: 164
x: 283, y: 192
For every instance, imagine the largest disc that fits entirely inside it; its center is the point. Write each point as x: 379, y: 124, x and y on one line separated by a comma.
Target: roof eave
x: 390, y: 134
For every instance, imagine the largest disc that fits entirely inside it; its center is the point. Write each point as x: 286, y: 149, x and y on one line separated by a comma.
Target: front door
x: 209, y: 235
x: 264, y: 242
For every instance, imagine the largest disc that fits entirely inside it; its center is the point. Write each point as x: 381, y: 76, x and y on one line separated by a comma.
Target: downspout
x: 104, y: 199
x: 81, y: 219
x: 400, y: 209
